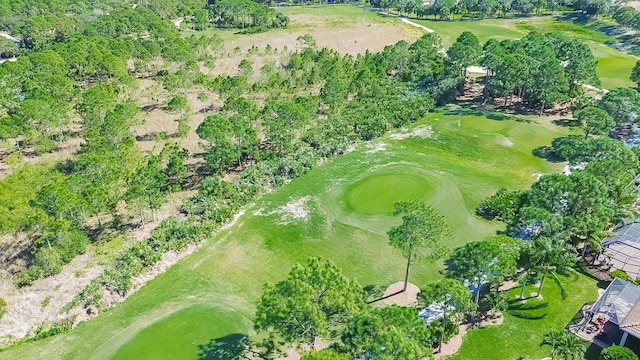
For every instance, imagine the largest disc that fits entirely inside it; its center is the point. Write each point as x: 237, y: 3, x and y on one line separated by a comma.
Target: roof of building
x: 624, y: 249
x: 628, y: 234
x: 631, y: 323
x: 617, y: 301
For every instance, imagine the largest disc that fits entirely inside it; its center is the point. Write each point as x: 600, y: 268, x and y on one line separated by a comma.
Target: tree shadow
x: 230, y: 347
x: 566, y: 122
x: 485, y: 113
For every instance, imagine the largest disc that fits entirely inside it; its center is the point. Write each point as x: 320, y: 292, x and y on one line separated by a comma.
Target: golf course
x: 339, y: 211
x: 203, y: 305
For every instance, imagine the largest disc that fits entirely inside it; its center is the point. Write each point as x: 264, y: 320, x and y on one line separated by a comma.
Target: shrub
x: 503, y: 205
x: 617, y: 353
x: 620, y: 274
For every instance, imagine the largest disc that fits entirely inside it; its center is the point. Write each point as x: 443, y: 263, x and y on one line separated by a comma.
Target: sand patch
x: 376, y: 147
x: 294, y: 210
x: 505, y: 141
x: 405, y: 298
x: 422, y: 131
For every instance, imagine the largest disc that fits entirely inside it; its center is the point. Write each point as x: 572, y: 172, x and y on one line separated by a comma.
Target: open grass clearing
x: 465, y: 159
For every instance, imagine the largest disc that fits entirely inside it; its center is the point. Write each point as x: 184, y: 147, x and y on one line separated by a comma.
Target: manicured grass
x: 525, y: 323
x: 378, y: 192
x: 468, y: 157
x: 183, y: 334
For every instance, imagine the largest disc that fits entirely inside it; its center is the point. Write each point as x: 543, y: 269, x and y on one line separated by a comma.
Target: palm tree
x: 564, y: 345
x: 550, y: 256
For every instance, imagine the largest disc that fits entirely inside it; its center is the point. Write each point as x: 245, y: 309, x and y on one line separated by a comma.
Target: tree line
x: 579, y: 208
x: 481, y: 9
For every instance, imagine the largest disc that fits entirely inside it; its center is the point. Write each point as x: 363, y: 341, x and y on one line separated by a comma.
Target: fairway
x: 339, y: 211
x: 183, y: 334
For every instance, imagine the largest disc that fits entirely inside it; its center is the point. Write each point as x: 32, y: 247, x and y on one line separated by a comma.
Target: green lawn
x: 525, y: 323
x: 339, y: 211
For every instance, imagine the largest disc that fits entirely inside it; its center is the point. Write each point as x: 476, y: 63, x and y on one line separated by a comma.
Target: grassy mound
x: 378, y: 192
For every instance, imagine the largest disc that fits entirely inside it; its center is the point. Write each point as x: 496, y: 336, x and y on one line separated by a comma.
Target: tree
x: 200, y: 19
x: 422, y: 232
x: 594, y: 121
x: 616, y: 352
x: 453, y: 297
x: 635, y: 73
x: 483, y: 261
x: 315, y: 298
x: 503, y: 205
x: 388, y: 333
x: 178, y: 104
x: 623, y: 104
x: 564, y: 345
x: 147, y: 186
x: 549, y: 256
x: 465, y: 51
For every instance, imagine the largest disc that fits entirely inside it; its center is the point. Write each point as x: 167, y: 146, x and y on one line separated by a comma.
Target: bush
x: 620, y: 274
x: 617, y: 353
x: 503, y: 205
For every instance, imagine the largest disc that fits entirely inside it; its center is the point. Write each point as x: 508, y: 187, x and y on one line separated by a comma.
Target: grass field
x: 339, y: 211
x: 525, y: 323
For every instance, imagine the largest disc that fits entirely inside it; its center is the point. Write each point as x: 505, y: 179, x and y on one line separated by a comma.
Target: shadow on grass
x: 528, y: 310
x: 230, y: 347
x: 536, y: 305
x: 566, y: 122
x: 485, y: 113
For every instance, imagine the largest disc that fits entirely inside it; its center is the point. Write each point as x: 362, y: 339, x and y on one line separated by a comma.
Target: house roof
x: 617, y: 301
x: 628, y: 234
x: 624, y: 249
x: 631, y: 323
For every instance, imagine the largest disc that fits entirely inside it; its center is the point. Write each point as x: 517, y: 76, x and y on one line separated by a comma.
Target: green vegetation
x: 613, y: 68
x: 617, y: 353
x: 185, y: 333
x: 390, y: 184
x: 526, y: 322
x: 261, y: 240
x: 86, y: 77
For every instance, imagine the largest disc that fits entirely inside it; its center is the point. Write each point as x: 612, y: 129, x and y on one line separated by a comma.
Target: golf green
x: 186, y: 334
x: 378, y: 192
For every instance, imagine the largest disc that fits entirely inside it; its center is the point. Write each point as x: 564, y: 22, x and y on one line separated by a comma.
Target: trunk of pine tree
x: 541, y: 285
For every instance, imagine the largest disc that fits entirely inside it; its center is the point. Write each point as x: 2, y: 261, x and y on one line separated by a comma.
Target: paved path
x: 407, y: 21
